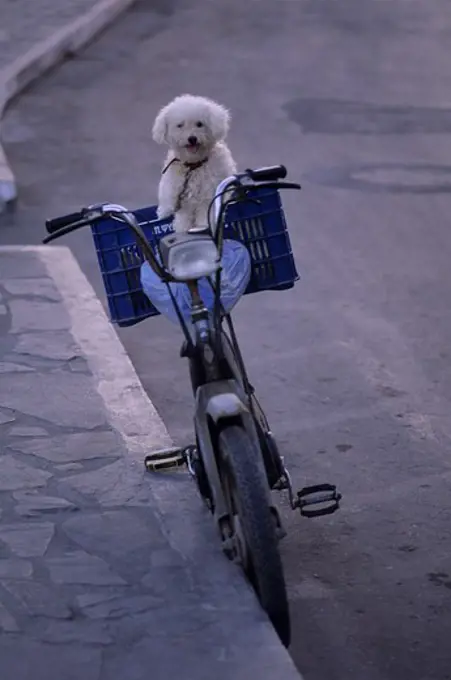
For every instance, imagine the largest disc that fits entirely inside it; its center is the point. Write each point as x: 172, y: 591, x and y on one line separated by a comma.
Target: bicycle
x: 235, y: 461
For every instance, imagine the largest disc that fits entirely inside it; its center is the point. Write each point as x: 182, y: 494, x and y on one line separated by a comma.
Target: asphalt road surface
x: 354, y: 364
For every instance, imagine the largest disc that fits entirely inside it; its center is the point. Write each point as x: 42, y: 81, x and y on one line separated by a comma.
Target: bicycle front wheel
x: 253, y: 526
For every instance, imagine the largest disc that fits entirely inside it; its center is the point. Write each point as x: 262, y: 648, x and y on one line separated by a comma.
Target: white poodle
x: 194, y: 128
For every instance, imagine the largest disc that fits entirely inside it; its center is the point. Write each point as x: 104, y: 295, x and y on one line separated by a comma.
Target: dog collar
x: 190, y: 166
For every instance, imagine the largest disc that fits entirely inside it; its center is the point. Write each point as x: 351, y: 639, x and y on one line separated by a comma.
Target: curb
x: 24, y: 70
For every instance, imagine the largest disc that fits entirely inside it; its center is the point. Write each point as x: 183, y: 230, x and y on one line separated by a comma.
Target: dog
x: 195, y: 129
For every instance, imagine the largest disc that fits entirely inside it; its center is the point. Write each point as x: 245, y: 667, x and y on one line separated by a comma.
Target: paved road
x: 354, y: 364
x: 30, y: 22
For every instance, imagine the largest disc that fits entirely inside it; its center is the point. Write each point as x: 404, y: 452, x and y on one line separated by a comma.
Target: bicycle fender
x: 221, y: 400
x: 216, y: 402
x: 226, y: 405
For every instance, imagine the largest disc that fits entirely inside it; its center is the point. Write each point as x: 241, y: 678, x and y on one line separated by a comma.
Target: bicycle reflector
x: 189, y: 257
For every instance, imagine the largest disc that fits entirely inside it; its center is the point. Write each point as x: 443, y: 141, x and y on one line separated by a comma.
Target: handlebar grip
x: 63, y: 221
x: 270, y: 174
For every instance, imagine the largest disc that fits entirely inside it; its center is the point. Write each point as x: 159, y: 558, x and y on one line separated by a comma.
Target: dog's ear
x: 160, y: 126
x: 219, y: 121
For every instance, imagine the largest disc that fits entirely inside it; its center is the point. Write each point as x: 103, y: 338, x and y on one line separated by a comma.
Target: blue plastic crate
x: 262, y: 228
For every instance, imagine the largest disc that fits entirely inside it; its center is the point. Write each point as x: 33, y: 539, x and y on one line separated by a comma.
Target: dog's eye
x: 180, y: 125
x: 199, y: 123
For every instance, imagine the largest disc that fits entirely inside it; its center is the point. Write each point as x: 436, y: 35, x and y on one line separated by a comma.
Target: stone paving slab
x: 106, y: 572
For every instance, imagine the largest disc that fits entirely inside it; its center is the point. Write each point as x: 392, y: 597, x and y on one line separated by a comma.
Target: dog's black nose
x: 192, y: 140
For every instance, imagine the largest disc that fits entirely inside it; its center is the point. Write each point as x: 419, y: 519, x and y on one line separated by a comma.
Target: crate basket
x: 261, y: 227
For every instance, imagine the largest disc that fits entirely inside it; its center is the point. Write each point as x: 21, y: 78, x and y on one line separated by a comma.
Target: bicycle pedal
x: 164, y: 460
x: 324, y: 495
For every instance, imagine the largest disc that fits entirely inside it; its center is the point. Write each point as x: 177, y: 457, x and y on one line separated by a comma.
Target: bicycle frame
x: 219, y: 379
x: 220, y: 389
x: 222, y: 396
x: 206, y: 354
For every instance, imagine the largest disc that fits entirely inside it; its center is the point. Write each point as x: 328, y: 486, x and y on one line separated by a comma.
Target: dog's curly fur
x: 195, y: 129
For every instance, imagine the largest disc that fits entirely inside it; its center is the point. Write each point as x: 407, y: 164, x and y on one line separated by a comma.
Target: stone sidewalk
x: 35, y: 35
x: 106, y: 572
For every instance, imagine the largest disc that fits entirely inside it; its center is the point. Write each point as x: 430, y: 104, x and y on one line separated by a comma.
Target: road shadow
x: 337, y: 117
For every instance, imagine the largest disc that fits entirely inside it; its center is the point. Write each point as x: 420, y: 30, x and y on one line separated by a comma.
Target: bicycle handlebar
x: 267, y: 177
x: 60, y: 226
x: 264, y: 177
x: 58, y: 223
x: 270, y: 174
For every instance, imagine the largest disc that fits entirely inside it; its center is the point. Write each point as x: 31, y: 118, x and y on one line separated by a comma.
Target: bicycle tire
x: 244, y: 488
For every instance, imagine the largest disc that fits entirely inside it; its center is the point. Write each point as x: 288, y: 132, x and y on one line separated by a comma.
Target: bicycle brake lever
x: 243, y: 195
